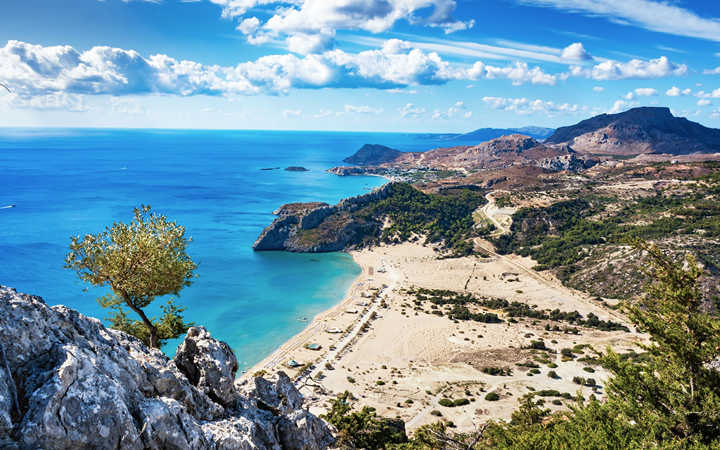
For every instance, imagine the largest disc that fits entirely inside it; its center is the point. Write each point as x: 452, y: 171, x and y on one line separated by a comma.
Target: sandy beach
x: 401, y: 359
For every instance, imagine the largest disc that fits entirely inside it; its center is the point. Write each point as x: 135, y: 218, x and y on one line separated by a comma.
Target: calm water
x: 66, y: 182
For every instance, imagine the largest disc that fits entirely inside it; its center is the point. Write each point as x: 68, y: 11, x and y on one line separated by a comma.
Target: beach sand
x: 401, y: 359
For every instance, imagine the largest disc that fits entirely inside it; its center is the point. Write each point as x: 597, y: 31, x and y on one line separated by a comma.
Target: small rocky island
x: 296, y: 169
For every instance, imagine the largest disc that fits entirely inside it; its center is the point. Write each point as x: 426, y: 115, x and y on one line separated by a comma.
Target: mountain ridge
x: 642, y: 130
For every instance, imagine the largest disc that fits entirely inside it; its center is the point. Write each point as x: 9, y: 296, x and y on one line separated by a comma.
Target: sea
x: 57, y: 183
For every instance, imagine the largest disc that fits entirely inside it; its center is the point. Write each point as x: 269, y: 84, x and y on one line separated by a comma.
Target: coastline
x: 401, y: 358
x: 280, y: 356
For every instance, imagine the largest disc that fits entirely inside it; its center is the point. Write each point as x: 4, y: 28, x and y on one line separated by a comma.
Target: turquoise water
x: 66, y: 182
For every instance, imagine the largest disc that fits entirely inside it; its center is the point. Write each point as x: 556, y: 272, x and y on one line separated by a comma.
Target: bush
x: 589, y: 369
x: 461, y: 402
x: 497, y: 371
x: 446, y: 402
x: 492, y: 397
x: 380, y: 383
x: 436, y: 413
x: 553, y: 374
x: 351, y: 379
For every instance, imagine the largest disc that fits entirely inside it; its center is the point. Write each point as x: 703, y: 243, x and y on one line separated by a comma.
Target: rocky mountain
x: 373, y: 155
x: 638, y: 131
x: 68, y: 382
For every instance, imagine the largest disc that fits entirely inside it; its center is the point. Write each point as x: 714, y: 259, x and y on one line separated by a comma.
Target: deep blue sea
x: 76, y: 181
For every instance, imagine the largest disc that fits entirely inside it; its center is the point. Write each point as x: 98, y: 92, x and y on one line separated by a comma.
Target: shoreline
x: 402, y: 358
x: 277, y: 359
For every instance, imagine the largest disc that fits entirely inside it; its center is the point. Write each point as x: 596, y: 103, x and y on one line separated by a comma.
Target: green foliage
x: 138, y: 261
x: 492, y: 397
x: 445, y: 217
x: 512, y: 309
x: 364, y: 428
x: 667, y: 397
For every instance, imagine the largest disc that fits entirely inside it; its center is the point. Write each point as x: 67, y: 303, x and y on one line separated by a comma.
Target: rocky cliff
x: 67, y: 382
x: 313, y: 227
x: 638, y: 131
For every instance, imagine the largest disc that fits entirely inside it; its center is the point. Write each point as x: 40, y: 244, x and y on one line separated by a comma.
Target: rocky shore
x: 66, y: 382
x: 319, y: 227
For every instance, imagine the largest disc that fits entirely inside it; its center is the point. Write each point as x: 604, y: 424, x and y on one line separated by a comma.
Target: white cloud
x: 715, y: 71
x: 620, y: 106
x: 519, y: 73
x: 34, y: 70
x: 703, y: 102
x: 714, y: 94
x: 59, y: 101
x: 576, y: 52
x: 598, y: 88
x: 249, y: 25
x: 411, y: 111
x: 288, y: 113
x: 676, y: 91
x: 362, y: 109
x: 525, y: 106
x: 645, y: 92
x: 323, y: 113
x: 663, y: 17
x: 291, y: 18
x: 635, y: 68
x: 309, y: 43
x: 458, y: 109
x: 127, y: 106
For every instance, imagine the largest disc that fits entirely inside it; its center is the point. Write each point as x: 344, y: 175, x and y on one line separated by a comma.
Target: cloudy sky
x: 385, y: 65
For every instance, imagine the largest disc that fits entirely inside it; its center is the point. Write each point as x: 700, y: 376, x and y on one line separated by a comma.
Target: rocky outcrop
x: 638, y: 131
x: 67, y: 382
x: 306, y: 227
x: 373, y: 155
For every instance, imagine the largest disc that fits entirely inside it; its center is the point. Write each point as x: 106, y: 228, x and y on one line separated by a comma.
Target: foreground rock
x: 67, y: 382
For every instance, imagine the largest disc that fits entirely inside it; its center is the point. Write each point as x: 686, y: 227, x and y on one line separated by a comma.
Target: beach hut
x: 293, y: 364
x: 314, y: 347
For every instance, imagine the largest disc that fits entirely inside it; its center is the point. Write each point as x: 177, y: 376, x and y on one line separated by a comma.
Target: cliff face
x: 312, y: 227
x: 68, y: 382
x: 638, y: 131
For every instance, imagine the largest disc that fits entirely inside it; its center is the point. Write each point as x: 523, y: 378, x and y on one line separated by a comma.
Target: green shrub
x: 492, y: 397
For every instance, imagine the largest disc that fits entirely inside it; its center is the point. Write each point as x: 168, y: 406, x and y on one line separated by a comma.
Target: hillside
x: 498, y: 153
x: 638, y: 131
x: 373, y: 154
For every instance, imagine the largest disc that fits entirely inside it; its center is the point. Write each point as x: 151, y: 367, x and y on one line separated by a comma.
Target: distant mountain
x: 502, y: 152
x: 372, y: 155
x: 486, y: 134
x: 638, y: 131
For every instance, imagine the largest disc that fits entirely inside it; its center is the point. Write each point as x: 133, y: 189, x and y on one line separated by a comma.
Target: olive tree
x: 138, y: 261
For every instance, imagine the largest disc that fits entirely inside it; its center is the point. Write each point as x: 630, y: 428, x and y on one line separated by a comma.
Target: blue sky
x: 377, y: 65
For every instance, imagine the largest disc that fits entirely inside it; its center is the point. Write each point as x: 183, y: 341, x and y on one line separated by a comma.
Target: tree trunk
x: 154, y: 341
